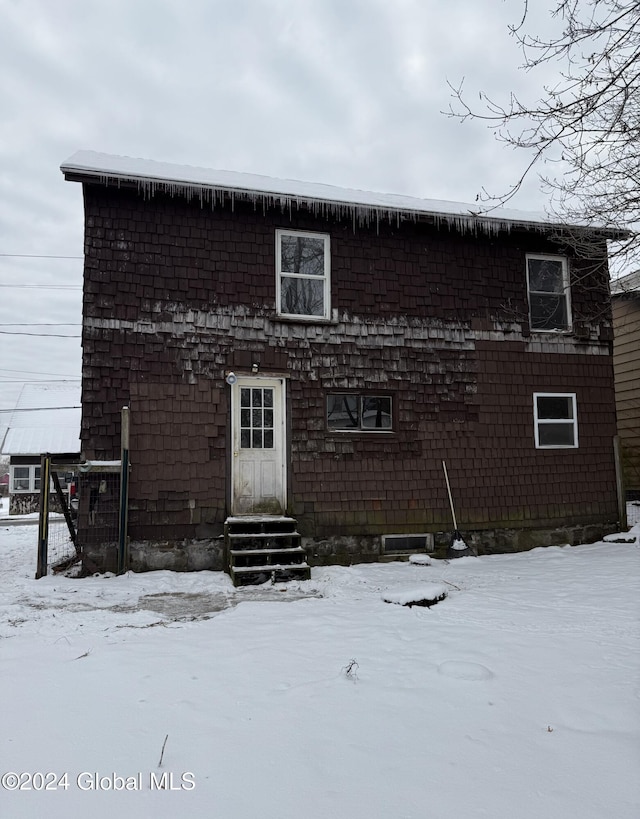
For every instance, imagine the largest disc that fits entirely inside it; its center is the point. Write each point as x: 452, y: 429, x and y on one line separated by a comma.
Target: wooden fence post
x: 43, y: 518
x: 622, y: 501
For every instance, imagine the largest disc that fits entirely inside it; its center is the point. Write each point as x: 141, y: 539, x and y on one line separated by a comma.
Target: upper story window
x: 555, y: 420
x: 548, y: 288
x: 353, y: 412
x: 303, y: 266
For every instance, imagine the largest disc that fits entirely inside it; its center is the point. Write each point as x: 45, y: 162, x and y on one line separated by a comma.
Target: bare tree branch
x: 587, y: 124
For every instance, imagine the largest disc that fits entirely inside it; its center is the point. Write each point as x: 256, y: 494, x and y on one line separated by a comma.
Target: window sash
x: 555, y: 420
x: 303, y: 278
x: 353, y: 412
x: 21, y: 479
x: 25, y: 478
x: 548, y: 293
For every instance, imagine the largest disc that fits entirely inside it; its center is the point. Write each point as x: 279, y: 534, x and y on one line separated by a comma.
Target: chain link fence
x: 71, y: 521
x: 96, y: 517
x: 57, y: 531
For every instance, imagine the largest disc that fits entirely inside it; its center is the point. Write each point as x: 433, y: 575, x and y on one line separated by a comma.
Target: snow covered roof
x: 362, y: 206
x: 626, y: 285
x: 35, y: 441
x: 46, y: 418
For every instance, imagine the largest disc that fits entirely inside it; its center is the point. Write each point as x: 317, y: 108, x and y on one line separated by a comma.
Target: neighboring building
x: 626, y: 363
x: 293, y: 349
x: 46, y: 419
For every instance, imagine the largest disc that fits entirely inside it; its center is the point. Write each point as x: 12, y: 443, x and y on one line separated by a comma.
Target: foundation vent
x: 407, y: 544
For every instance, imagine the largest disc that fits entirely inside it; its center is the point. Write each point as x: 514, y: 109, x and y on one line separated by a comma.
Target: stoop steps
x: 264, y: 547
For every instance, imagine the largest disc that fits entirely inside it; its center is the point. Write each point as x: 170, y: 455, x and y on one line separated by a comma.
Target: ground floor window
x: 555, y: 420
x: 368, y: 413
x: 25, y: 478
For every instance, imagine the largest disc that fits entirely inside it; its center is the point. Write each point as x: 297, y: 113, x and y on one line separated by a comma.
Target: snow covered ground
x: 516, y: 696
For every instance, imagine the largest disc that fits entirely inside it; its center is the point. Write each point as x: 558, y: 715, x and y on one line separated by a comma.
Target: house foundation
x: 209, y: 554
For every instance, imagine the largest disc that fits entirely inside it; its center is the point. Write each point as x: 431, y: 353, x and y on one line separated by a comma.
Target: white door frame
x: 258, y: 474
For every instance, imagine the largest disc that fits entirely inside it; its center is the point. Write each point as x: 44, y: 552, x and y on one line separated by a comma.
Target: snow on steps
x: 264, y: 547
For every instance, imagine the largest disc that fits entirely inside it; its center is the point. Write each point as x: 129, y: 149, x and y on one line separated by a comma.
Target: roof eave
x: 469, y: 221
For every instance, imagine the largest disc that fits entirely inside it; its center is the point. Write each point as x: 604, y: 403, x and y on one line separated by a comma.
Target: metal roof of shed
x: 46, y: 418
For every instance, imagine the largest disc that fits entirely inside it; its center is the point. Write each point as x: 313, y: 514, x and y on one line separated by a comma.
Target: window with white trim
x: 303, y: 265
x: 364, y: 413
x: 548, y: 291
x: 24, y: 478
x: 555, y: 420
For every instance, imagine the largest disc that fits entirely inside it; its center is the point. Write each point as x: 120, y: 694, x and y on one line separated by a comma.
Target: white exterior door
x: 258, y: 458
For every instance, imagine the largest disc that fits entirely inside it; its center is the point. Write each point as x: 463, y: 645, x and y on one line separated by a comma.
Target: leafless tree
x: 588, y: 121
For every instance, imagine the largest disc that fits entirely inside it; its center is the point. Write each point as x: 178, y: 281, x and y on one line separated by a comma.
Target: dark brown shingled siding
x: 151, y: 261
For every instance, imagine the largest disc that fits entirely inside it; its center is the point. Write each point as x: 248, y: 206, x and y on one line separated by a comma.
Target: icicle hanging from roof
x: 362, y: 208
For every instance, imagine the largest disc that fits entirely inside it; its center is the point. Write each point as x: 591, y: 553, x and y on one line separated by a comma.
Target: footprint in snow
x: 461, y: 670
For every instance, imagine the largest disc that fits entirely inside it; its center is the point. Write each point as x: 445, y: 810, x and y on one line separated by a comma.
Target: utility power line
x: 5, y: 380
x: 37, y: 372
x: 39, y: 335
x: 36, y: 256
x: 44, y: 286
x: 38, y: 409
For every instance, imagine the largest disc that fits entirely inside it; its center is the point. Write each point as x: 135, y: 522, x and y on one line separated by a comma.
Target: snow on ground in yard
x: 517, y: 696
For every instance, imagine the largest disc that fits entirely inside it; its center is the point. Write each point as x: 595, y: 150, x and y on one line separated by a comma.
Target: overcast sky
x: 347, y: 92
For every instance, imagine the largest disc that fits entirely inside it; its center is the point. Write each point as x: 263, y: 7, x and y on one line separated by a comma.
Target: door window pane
x: 255, y: 419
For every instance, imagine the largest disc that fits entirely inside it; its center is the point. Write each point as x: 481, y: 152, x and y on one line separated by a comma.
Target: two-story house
x: 300, y: 352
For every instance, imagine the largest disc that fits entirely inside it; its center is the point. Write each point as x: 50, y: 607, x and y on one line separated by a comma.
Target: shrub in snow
x: 351, y: 670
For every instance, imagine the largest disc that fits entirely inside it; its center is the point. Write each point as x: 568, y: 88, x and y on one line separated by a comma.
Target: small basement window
x: 303, y: 268
x: 548, y: 289
x: 555, y: 420
x: 365, y: 413
x: 401, y: 544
